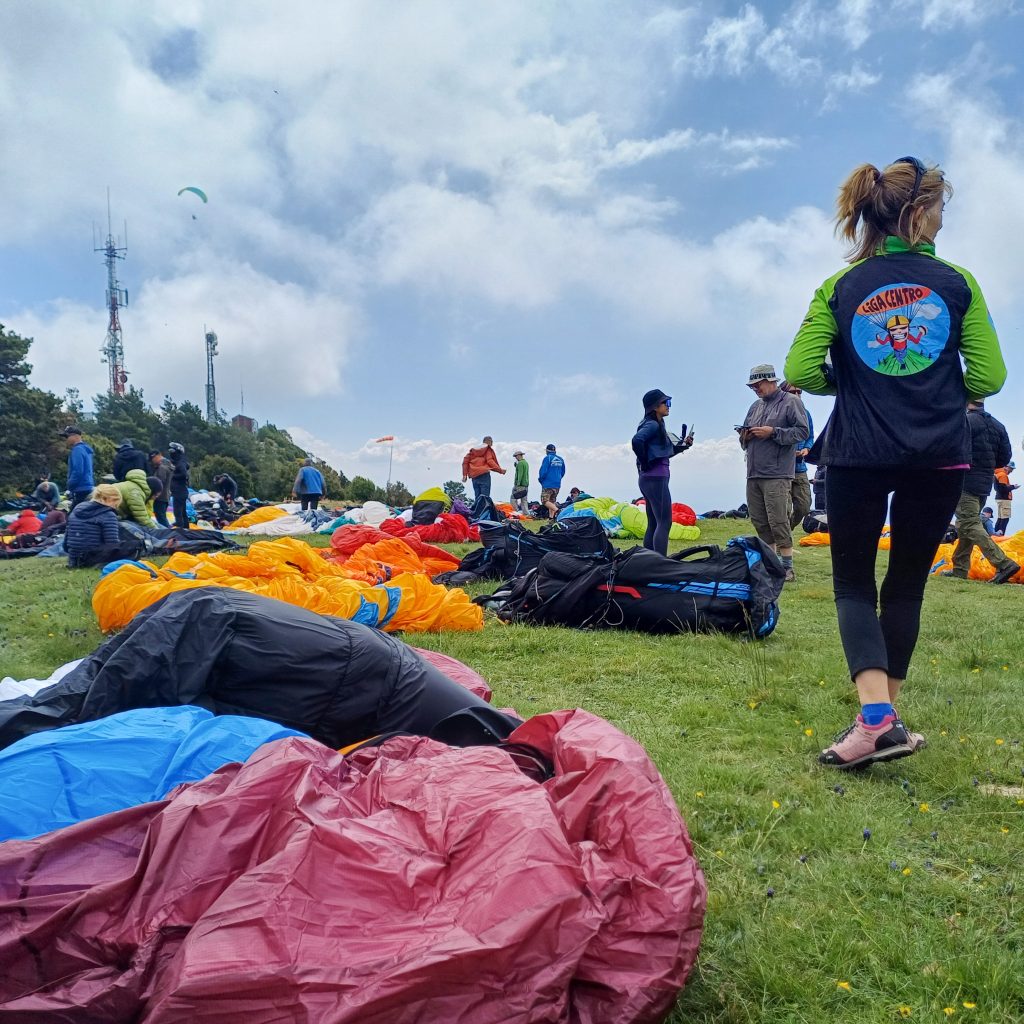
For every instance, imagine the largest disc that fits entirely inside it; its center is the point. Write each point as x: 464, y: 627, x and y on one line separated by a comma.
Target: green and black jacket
x: 895, y: 327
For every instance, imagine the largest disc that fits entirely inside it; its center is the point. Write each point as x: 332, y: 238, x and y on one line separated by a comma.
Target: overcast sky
x: 444, y: 219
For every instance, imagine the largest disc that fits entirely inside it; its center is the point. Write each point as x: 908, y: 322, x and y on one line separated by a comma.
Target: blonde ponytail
x: 873, y: 204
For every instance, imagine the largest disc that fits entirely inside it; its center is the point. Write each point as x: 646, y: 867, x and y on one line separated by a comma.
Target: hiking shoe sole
x: 1007, y: 574
x: 861, y: 745
x: 876, y: 757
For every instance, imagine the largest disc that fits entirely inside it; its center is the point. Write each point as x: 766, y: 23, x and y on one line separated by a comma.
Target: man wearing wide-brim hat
x: 773, y: 426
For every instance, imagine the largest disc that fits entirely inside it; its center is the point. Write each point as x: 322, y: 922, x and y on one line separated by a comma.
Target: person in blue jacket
x: 653, y: 447
x: 309, y: 485
x: 552, y: 469
x: 80, y: 479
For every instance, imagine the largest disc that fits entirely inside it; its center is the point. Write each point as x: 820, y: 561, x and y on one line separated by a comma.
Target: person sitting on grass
x: 26, y: 524
x: 93, y: 527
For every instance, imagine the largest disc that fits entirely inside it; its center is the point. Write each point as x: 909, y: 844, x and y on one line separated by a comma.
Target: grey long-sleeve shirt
x: 775, y: 456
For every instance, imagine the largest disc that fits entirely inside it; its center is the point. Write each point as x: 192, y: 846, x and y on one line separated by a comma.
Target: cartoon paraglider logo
x: 195, y: 191
x: 901, y: 329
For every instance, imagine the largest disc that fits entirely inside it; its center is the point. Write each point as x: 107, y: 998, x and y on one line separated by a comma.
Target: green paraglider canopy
x: 198, y: 191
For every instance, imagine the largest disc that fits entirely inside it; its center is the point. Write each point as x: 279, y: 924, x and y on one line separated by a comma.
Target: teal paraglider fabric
x: 196, y: 191
x: 62, y: 776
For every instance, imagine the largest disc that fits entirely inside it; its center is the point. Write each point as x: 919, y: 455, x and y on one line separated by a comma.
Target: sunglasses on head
x: 919, y: 172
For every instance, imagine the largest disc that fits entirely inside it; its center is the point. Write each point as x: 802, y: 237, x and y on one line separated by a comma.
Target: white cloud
x: 261, y: 324
x: 948, y: 14
x: 729, y: 43
x: 856, y: 20
x: 857, y: 79
x: 587, y: 386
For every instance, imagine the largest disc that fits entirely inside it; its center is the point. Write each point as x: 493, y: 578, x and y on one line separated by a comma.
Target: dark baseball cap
x: 550, y: 448
x: 68, y: 431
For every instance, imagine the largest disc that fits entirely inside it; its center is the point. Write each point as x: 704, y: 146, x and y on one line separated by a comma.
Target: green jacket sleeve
x: 810, y: 347
x: 986, y: 372
x: 136, y: 504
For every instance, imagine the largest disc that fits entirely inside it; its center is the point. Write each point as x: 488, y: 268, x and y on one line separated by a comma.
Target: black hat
x: 126, y: 443
x: 155, y: 451
x: 654, y: 398
x: 68, y: 431
x: 155, y: 484
x: 550, y: 448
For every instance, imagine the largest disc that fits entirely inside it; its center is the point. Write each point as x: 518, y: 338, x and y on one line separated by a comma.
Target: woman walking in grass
x: 653, y: 448
x: 896, y: 322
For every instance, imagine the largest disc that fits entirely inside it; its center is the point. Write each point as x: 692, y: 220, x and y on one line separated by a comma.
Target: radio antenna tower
x: 212, y: 416
x: 113, y: 347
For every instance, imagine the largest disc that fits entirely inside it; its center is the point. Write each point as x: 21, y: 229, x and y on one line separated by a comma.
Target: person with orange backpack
x: 1004, y: 497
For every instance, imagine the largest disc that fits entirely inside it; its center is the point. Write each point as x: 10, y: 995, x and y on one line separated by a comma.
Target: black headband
x: 919, y: 172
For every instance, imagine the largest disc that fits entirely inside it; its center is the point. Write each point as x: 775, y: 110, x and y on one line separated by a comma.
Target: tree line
x: 263, y: 463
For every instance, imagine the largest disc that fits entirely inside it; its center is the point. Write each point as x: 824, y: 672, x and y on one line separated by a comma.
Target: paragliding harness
x: 815, y: 522
x: 734, y: 590
x: 510, y: 549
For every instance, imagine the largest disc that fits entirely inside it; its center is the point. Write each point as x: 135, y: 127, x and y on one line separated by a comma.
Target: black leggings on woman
x: 659, y: 512
x: 923, y: 501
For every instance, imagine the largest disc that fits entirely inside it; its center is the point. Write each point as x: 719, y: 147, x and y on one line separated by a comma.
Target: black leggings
x: 659, y: 512
x: 923, y: 501
x: 310, y: 501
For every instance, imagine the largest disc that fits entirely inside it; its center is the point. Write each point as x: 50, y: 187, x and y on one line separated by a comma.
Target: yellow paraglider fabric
x: 821, y: 540
x: 259, y: 515
x: 981, y: 567
x: 292, y: 571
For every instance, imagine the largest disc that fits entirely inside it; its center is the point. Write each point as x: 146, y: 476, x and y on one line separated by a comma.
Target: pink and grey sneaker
x: 862, y: 744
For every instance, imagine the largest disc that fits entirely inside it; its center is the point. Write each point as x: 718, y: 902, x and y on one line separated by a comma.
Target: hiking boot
x: 915, y: 741
x: 862, y: 744
x: 955, y: 574
x: 790, y: 576
x: 1006, y: 573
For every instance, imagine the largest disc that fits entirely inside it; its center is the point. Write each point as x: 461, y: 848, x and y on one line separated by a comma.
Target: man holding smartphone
x: 773, y: 426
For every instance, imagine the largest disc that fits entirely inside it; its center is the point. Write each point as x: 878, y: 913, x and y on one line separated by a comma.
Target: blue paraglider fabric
x: 62, y: 776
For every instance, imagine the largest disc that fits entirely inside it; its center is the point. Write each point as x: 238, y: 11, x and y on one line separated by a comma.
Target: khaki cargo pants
x: 971, y: 534
x: 770, y: 504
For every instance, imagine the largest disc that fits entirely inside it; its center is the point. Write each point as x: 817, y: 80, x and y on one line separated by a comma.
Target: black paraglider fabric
x: 241, y: 654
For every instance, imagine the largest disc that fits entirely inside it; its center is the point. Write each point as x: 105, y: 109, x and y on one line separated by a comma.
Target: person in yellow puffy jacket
x: 136, y: 493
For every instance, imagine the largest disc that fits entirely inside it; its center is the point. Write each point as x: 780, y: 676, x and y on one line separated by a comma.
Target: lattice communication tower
x: 113, y: 346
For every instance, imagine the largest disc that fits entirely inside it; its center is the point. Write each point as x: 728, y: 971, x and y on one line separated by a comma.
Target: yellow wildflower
x: 924, y: 808
x: 808, y: 732
x: 699, y: 794
x: 906, y: 871
x: 905, y: 1012
x: 752, y: 705
x: 969, y: 1006
x: 1004, y: 830
x: 776, y: 804
x: 999, y: 743
x: 949, y: 1010
x: 975, y: 670
x: 844, y: 985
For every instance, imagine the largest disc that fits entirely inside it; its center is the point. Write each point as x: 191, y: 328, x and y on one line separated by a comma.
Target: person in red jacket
x: 477, y: 466
x: 26, y: 524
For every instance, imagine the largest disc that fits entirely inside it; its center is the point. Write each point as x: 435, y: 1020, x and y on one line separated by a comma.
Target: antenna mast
x: 113, y: 346
x: 212, y: 416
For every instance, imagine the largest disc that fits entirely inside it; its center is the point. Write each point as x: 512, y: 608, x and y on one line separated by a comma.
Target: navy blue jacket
x: 651, y: 441
x: 91, y: 525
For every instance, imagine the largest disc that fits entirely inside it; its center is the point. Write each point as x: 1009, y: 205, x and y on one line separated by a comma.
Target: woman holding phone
x: 653, y: 446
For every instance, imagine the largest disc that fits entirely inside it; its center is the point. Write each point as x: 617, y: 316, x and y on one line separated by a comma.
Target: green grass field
x: 808, y: 918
